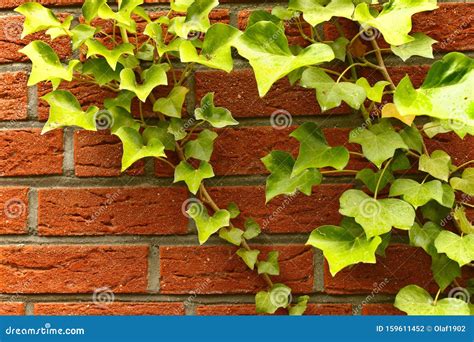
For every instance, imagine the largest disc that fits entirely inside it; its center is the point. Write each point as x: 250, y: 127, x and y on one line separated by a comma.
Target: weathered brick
x: 380, y: 310
x: 99, y: 211
x: 25, y: 152
x: 249, y: 309
x: 13, y: 96
x: 290, y: 214
x: 15, y: 3
x: 217, y: 269
x: 12, y: 309
x: 14, y: 210
x: 73, y: 269
x: 106, y: 309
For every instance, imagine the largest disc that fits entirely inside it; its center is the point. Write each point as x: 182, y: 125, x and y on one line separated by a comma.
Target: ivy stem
x: 350, y: 68
x: 348, y: 54
x: 337, y: 171
x: 463, y: 165
x: 378, y: 55
x: 379, y: 181
x: 436, y: 298
x: 467, y: 204
x: 357, y: 154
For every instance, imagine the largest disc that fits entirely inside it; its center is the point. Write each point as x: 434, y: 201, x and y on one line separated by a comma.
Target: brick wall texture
x: 77, y: 237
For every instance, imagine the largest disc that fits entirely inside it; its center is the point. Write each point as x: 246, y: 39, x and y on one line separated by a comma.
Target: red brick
x: 73, y: 269
x: 99, y: 154
x: 13, y: 96
x: 12, y: 309
x: 217, y: 269
x: 380, y: 310
x: 25, y: 152
x: 284, y: 214
x: 115, y: 211
x: 104, y: 309
x: 14, y: 210
x: 249, y: 309
x: 15, y: 3
x: 10, y: 41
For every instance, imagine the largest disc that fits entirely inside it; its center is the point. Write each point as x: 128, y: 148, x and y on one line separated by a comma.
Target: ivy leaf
x: 421, y: 45
x: 266, y: 47
x: 300, y: 307
x: 233, y: 209
x: 374, y: 93
x: 271, y: 301
x: 457, y: 248
x: 414, y: 300
x: 152, y: 78
x: 445, y: 94
x: 262, y: 15
x: 90, y: 9
x: 315, y: 152
x: 122, y: 100
x: 412, y: 137
x: 281, y: 164
x: 123, y: 15
x: 465, y: 183
x: 316, y: 12
x: 80, y: 34
x: 252, y: 229
x: 271, y: 266
x: 95, y: 48
x: 463, y: 222
x: 197, y: 18
x: 371, y: 178
x: 394, y: 21
x: 177, y: 129
x: 391, y: 111
x: 419, y: 194
x: 232, y: 235
x: 377, y: 217
x: 202, y: 147
x: 330, y: 93
x: 65, y: 110
x: 100, y: 69
x: 46, y: 64
x: 216, y: 48
x: 137, y: 146
x: 283, y: 13
x: 173, y: 103
x: 249, y: 257
x: 425, y: 236
x: 39, y: 18
x: 117, y: 117
x: 208, y: 225
x: 218, y: 117
x: 379, y: 142
x: 191, y: 176
x: 344, y: 246
x: 438, y: 164
x: 444, y: 270
x: 339, y: 47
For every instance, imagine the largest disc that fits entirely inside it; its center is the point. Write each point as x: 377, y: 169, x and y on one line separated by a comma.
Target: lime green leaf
x: 137, y: 146
x: 300, y: 307
x: 232, y: 235
x: 281, y: 164
x: 90, y: 9
x: 152, y: 78
x: 342, y: 246
x: 444, y: 270
x: 283, y: 13
x: 465, y: 183
x: 201, y: 148
x: 177, y: 129
x: 374, y: 93
x: 115, y: 118
x: 438, y: 164
x: 394, y: 21
x: 271, y: 301
x: 39, y: 18
x: 420, y: 46
x: 457, y: 248
x: 172, y: 105
x: 233, y: 209
x: 419, y: 194
x: 46, y: 64
x: 197, y: 18
x: 445, y: 94
x: 191, y: 176
x: 216, y: 48
x: 463, y: 222
x: 218, y: 117
x: 249, y: 257
x: 181, y: 5
x: 379, y: 142
x: 80, y: 34
x: 65, y: 110
x: 315, y: 152
x: 123, y: 15
x: 208, y: 225
x: 146, y: 52
x: 330, y: 93
x: 339, y: 47
x: 414, y: 300
x: 95, y: 48
x: 123, y: 100
x: 412, y: 137
x: 377, y: 217
x: 271, y: 266
x: 102, y: 72
x: 266, y: 47
x: 316, y: 12
x: 262, y: 15
x: 425, y: 236
x: 371, y: 178
x: 252, y: 229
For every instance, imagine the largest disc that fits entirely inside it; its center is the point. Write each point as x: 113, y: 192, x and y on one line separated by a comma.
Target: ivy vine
x: 390, y: 140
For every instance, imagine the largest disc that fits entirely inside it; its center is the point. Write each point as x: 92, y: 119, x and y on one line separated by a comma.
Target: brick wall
x: 76, y: 237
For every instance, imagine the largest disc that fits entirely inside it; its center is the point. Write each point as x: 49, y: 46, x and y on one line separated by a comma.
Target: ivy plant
x: 388, y: 197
